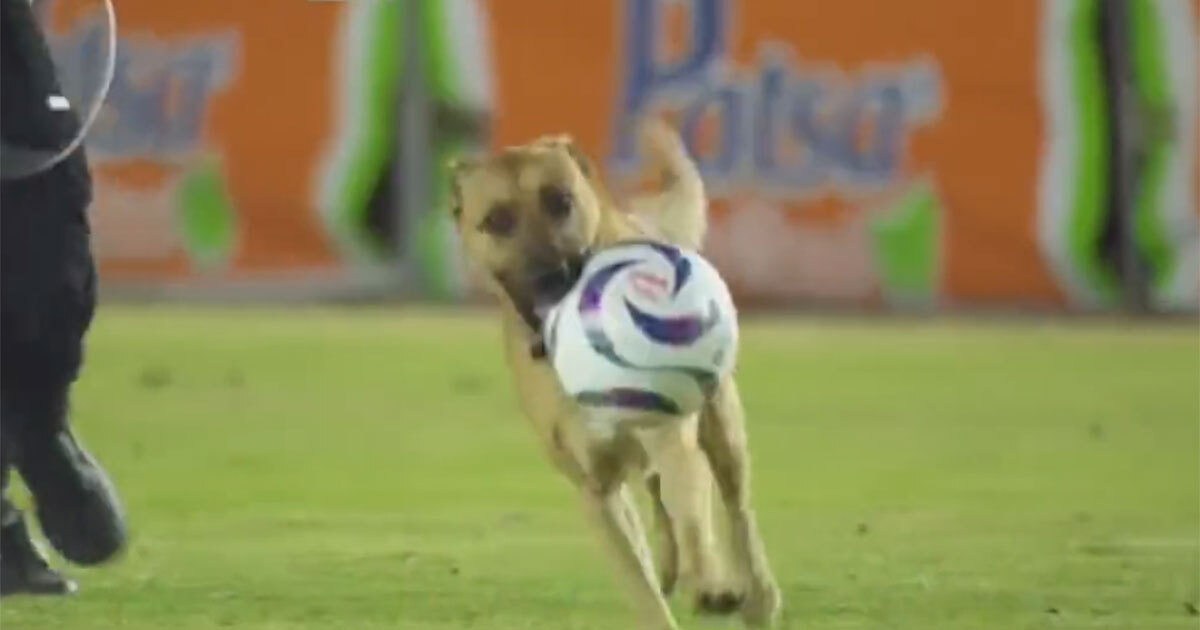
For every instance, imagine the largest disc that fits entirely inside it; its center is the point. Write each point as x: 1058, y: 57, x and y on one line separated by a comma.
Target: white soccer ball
x: 647, y: 332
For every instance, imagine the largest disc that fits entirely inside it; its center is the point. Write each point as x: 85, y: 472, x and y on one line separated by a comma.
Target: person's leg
x: 48, y: 284
x: 23, y: 568
x: 76, y: 503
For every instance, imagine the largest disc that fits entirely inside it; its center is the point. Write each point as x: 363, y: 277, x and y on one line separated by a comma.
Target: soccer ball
x: 646, y: 333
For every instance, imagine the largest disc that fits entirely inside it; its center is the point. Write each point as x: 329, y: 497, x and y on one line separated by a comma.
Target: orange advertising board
x: 218, y: 117
x: 818, y: 126
x: 866, y: 152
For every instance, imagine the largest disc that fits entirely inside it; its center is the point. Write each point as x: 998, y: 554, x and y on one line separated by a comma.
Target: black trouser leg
x: 48, y: 286
x: 8, y: 512
x: 23, y: 569
x: 76, y: 503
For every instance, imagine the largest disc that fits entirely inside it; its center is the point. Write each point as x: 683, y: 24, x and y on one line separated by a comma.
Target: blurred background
x: 291, y: 468
x: 876, y: 155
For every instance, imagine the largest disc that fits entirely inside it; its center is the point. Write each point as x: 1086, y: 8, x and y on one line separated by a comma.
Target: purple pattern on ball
x: 683, y: 266
x: 593, y: 291
x: 674, y: 331
x: 628, y: 398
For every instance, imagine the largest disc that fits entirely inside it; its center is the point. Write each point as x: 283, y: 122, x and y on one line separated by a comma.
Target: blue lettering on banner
x: 160, y: 92
x: 782, y: 127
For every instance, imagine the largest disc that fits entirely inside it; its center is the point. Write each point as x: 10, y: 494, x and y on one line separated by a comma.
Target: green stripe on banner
x: 458, y: 83
x: 1087, y: 216
x: 207, y: 214
x: 374, y: 70
x: 375, y: 118
x: 440, y: 51
x: 431, y: 246
x: 1152, y: 82
x: 906, y: 246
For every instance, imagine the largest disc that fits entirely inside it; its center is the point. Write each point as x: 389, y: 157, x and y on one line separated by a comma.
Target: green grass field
x: 368, y: 469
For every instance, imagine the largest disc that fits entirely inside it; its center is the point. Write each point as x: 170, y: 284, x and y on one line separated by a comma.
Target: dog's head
x: 527, y: 217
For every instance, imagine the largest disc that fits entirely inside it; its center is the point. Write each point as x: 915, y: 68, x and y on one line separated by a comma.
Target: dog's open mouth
x: 543, y: 289
x: 551, y: 287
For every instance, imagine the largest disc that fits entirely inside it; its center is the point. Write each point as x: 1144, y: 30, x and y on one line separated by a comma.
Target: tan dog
x: 528, y: 216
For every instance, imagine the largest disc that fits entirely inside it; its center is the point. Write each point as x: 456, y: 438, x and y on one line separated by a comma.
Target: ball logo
x: 651, y: 286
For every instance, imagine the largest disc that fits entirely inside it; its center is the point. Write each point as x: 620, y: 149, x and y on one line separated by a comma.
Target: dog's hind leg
x: 723, y: 437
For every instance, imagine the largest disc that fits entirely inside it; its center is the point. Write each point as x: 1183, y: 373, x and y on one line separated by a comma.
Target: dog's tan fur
x: 683, y: 456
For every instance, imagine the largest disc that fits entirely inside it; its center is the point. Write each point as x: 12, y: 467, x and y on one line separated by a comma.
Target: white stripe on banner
x: 1059, y: 160
x: 1177, y: 202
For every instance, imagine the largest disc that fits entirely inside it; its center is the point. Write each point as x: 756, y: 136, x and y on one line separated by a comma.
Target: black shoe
x: 23, y: 569
x: 77, y: 505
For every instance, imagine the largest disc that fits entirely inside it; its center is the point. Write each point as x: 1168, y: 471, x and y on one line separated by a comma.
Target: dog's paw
x: 762, y: 605
x: 718, y: 602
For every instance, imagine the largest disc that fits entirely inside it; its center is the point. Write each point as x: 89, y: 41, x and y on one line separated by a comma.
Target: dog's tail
x: 678, y: 211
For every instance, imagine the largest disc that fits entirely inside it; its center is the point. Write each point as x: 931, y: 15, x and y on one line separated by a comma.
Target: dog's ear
x: 461, y: 164
x: 567, y: 143
x: 457, y: 166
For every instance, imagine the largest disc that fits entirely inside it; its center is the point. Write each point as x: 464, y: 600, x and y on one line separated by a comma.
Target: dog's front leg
x: 686, y: 493
x: 607, y: 512
x: 637, y: 531
x: 610, y: 509
x: 561, y: 456
x: 668, y: 546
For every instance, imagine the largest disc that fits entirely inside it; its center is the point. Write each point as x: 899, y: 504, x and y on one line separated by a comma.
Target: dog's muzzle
x: 551, y: 286
x: 541, y: 289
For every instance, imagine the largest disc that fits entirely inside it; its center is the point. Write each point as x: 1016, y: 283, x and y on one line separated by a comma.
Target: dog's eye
x: 556, y: 201
x: 501, y: 220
